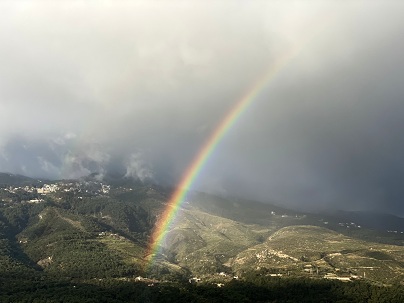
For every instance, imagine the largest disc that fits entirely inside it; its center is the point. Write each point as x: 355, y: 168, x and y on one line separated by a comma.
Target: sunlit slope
x: 203, y: 242
x: 320, y: 251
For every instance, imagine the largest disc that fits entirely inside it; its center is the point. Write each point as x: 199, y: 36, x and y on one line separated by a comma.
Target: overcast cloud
x: 136, y: 87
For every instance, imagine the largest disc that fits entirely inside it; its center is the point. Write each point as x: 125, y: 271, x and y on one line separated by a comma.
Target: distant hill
x: 90, y: 229
x: 11, y: 179
x: 316, y: 251
x: 374, y: 220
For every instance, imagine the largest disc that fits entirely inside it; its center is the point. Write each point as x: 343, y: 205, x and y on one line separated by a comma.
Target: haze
x: 136, y: 87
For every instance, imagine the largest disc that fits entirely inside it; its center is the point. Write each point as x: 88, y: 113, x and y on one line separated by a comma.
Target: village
x: 38, y: 193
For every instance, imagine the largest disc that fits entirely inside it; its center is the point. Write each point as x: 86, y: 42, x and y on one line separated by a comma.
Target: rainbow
x: 210, y: 145
x: 169, y: 214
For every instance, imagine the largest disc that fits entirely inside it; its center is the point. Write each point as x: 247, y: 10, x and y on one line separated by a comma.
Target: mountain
x: 378, y: 221
x: 91, y: 230
x: 7, y: 179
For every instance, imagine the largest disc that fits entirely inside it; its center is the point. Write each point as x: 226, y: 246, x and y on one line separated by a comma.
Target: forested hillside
x: 87, y: 240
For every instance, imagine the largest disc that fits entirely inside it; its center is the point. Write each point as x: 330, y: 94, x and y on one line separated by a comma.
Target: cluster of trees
x: 87, y: 260
x: 274, y: 290
x: 125, y: 215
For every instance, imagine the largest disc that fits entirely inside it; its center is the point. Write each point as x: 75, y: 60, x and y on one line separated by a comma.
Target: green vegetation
x: 85, y: 241
x: 257, y: 289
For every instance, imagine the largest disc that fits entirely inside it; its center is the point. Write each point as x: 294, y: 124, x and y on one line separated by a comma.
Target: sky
x: 136, y: 87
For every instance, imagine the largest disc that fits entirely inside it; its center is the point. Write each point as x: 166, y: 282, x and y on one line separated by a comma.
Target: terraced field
x: 320, y: 251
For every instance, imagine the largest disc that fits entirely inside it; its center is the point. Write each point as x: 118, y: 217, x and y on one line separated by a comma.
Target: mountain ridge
x: 107, y: 228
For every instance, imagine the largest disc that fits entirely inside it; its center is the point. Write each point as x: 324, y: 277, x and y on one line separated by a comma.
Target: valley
x: 88, y: 231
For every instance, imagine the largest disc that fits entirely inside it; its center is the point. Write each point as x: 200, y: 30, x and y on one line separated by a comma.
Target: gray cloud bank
x: 138, y: 86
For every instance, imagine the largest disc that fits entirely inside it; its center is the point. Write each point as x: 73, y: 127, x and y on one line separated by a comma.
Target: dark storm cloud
x: 136, y: 87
